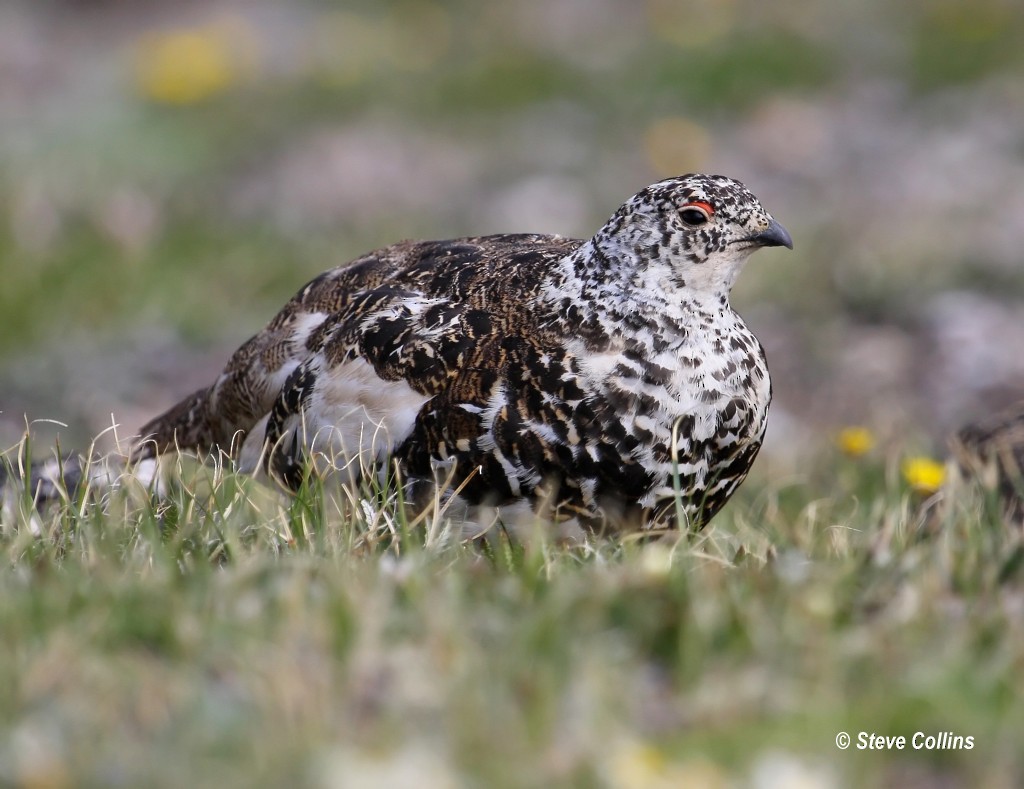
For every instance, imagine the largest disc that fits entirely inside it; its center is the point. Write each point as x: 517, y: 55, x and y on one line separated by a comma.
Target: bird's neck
x: 609, y: 276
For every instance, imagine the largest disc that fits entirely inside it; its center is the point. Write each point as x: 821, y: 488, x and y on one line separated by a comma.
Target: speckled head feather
x: 598, y: 376
x: 695, y: 229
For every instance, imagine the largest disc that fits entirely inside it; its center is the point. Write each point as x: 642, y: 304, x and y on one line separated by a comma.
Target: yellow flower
x: 855, y: 441
x: 189, y: 66
x: 924, y: 474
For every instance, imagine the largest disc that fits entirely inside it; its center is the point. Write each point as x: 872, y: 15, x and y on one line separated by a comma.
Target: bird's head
x: 693, y: 232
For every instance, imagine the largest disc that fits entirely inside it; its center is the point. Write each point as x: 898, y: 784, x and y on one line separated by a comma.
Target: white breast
x: 352, y: 419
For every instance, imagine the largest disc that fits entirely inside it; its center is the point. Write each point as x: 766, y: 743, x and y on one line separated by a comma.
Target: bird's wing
x: 483, y: 380
x: 419, y: 364
x: 349, y: 306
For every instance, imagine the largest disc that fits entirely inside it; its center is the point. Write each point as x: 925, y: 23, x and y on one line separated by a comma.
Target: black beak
x: 775, y: 235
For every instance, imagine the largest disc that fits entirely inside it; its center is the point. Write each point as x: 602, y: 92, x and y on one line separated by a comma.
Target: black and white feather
x: 584, y: 374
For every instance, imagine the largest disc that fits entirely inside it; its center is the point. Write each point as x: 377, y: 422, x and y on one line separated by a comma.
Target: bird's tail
x: 183, y: 426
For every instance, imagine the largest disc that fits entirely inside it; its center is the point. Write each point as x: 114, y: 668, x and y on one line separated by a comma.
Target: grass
x: 227, y: 635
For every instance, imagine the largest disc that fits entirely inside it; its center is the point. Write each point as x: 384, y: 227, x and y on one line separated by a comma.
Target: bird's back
x: 491, y: 275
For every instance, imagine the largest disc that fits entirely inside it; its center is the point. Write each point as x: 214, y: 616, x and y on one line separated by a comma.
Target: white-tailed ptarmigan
x: 601, y: 377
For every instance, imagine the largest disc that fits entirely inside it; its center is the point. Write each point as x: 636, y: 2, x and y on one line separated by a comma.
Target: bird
x: 607, y: 380
x: 605, y: 383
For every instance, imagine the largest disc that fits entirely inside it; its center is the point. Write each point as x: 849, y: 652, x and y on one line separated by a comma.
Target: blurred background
x: 171, y: 173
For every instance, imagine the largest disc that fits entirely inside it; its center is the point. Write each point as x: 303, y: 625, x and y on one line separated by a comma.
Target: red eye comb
x: 701, y: 205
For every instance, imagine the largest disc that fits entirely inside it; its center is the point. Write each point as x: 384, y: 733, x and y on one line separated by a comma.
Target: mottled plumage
x: 518, y: 366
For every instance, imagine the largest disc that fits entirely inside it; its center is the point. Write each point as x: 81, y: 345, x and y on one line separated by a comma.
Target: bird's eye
x: 695, y: 214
